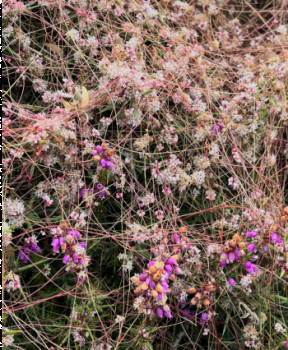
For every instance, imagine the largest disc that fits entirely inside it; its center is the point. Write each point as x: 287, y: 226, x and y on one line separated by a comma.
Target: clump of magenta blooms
x: 29, y: 247
x: 154, y: 283
x: 101, y: 155
x: 73, y: 249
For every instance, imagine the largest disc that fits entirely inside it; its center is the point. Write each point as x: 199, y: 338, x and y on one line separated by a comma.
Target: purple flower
x: 176, y: 238
x: 203, y: 318
x: 223, y: 257
x: 23, y: 257
x: 216, y: 130
x: 83, y: 244
x: 101, y: 194
x: 66, y: 258
x: 171, y: 261
x: 265, y: 249
x: 99, y: 187
x: 231, y: 257
x: 143, y: 276
x: 232, y: 281
x: 275, y: 238
x: 251, y: 234
x: 109, y: 165
x: 168, y: 314
x: 165, y: 285
x: 35, y: 248
x: 55, y: 244
x: 103, y: 162
x: 177, y: 270
x: 168, y: 268
x: 75, y: 233
x: 159, y: 312
x: 251, y: 268
x: 251, y: 248
x: 82, y: 193
x: 75, y: 258
x: 99, y: 149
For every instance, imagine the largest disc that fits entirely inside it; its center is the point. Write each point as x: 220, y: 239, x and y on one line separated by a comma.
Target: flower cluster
x: 153, y: 285
x: 102, y: 155
x: 14, y: 212
x: 29, y: 247
x: 233, y: 250
x: 11, y: 281
x: 75, y: 257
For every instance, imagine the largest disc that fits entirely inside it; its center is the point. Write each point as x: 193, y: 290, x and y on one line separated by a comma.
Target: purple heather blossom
x: 217, y: 129
x: 143, y: 276
x: 251, y: 268
x: 251, y: 234
x: 152, y: 285
x: 232, y: 281
x: 99, y: 187
x: 159, y: 312
x: 30, y: 246
x: 168, y: 314
x: 75, y: 258
x: 23, y: 257
x: 275, y: 238
x: 251, y: 248
x: 168, y: 268
x: 66, y: 258
x: 176, y: 238
x: 203, y: 318
x: 82, y: 193
x: 171, y: 261
x: 74, y: 232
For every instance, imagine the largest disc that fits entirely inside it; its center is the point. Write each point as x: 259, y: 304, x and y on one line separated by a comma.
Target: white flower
x: 13, y: 212
x: 199, y: 177
x: 119, y: 319
x: 233, y: 183
x: 279, y: 328
x: 211, y: 195
x: 73, y: 34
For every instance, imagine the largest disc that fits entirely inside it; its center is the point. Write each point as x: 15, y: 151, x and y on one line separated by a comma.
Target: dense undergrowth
x: 145, y: 174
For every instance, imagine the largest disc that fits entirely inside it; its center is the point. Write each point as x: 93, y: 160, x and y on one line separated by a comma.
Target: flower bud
x: 206, y: 302
x: 96, y: 159
x: 111, y: 152
x: 159, y: 288
x: 192, y: 290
